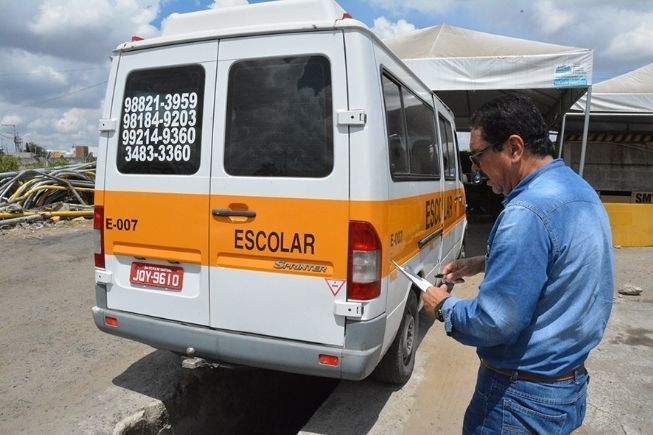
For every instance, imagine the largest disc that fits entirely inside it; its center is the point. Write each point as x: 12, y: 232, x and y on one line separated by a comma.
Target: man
x: 547, y: 292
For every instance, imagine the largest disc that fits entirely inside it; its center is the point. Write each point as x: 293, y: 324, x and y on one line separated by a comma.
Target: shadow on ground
x: 220, y: 400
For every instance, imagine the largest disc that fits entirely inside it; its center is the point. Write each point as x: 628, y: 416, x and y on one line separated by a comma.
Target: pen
x: 441, y: 275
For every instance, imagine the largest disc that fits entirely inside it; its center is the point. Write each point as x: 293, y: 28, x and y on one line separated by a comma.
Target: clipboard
x: 420, y: 282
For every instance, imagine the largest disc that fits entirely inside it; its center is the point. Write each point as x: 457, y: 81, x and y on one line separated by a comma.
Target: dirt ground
x: 52, y: 357
x: 70, y: 378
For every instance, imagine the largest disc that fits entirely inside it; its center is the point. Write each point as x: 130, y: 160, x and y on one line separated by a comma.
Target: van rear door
x: 157, y: 182
x: 279, y: 188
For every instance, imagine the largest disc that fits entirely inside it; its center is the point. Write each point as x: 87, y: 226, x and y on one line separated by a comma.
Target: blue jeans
x: 501, y: 405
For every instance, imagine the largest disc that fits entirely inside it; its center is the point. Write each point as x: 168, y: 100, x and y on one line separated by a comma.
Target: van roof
x: 290, y: 13
x: 265, y: 17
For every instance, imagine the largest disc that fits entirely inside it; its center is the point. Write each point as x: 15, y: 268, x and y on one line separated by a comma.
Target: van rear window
x: 161, y: 121
x: 279, y: 118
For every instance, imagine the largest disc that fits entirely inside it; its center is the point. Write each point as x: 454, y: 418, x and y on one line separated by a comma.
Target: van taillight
x: 98, y: 230
x: 364, y: 269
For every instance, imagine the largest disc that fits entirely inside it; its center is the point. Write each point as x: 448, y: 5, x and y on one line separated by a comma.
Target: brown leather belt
x: 525, y: 376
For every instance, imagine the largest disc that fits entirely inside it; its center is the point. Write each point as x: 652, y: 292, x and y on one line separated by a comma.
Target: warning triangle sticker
x: 335, y: 285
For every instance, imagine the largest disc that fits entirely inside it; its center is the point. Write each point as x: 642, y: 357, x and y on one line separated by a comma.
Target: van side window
x: 412, y: 139
x: 161, y: 121
x: 279, y: 118
x: 448, y: 149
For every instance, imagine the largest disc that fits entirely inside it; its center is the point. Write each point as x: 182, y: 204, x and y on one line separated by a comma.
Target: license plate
x: 155, y: 275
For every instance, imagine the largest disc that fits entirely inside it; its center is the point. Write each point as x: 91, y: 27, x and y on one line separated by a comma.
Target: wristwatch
x: 439, y: 315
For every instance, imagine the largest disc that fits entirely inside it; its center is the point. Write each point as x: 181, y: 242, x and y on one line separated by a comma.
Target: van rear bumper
x: 252, y: 350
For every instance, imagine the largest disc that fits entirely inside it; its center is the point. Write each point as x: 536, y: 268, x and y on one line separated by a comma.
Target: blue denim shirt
x: 549, y: 282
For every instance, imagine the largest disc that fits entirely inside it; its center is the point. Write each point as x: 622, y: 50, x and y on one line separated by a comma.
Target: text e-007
x: 120, y: 224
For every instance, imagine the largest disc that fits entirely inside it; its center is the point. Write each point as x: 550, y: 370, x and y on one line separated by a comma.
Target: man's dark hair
x: 513, y: 114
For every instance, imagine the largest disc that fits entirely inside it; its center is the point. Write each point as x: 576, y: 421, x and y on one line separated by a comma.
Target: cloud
x: 11, y: 120
x: 36, y: 78
x: 71, y: 121
x: 632, y: 44
x: 386, y: 29
x: 618, y: 33
x: 88, y: 33
x: 226, y: 3
x: 552, y: 18
x: 54, y: 63
x: 54, y: 129
x: 402, y: 7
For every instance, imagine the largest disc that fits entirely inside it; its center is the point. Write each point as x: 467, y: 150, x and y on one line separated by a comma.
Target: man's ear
x: 516, y: 144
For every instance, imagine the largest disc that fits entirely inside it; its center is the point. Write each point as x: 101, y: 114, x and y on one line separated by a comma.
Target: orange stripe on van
x: 403, y: 223
x: 162, y: 226
x: 288, y: 235
x: 310, y: 234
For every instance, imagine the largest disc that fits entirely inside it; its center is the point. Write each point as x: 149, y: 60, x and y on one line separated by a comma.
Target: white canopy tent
x: 620, y: 104
x: 621, y: 117
x: 466, y: 68
x: 623, y: 103
x: 628, y: 93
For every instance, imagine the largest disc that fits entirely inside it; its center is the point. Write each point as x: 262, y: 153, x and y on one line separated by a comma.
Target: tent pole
x: 561, y: 142
x: 586, y: 125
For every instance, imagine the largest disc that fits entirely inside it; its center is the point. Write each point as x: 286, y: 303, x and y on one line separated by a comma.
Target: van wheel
x: 398, y: 362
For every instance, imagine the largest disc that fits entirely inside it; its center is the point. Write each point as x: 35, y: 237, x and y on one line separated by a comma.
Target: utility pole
x: 18, y: 141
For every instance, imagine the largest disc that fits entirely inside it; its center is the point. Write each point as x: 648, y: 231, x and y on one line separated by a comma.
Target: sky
x: 55, y: 54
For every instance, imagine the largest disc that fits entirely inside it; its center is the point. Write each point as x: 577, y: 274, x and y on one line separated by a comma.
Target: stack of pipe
x: 40, y: 194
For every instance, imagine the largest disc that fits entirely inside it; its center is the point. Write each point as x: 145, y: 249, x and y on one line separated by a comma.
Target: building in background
x: 81, y: 152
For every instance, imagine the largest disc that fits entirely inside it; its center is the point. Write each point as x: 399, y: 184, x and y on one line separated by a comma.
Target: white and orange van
x: 259, y: 168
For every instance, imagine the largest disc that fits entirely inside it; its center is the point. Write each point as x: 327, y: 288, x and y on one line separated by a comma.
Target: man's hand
x: 457, y: 269
x: 451, y: 273
x: 432, y: 297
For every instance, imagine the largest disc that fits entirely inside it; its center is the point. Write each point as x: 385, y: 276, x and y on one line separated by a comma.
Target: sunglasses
x: 475, y: 158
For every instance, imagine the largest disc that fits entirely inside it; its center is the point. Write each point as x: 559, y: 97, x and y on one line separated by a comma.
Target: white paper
x: 420, y: 282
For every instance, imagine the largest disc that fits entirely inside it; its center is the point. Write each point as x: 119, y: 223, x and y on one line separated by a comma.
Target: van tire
x: 397, y: 364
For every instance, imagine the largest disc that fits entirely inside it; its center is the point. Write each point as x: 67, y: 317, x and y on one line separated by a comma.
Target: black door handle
x: 229, y: 213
